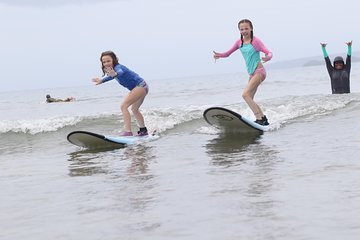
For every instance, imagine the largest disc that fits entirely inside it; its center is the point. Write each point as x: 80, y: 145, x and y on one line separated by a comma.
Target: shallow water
x: 298, y: 181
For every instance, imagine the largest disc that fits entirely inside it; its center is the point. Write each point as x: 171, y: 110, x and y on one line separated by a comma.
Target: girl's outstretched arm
x: 235, y: 47
x: 97, y: 80
x: 111, y: 73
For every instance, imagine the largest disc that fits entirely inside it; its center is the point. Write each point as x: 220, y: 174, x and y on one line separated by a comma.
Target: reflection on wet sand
x: 86, y: 163
x: 225, y: 147
x: 259, y: 186
x: 127, y: 184
x: 90, y: 162
x: 250, y: 164
x: 140, y: 157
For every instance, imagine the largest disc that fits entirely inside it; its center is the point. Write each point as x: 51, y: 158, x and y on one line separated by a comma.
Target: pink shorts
x: 144, y: 85
x: 261, y: 71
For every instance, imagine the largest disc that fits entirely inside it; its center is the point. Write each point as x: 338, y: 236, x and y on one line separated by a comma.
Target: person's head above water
x: 48, y: 96
x: 339, y: 63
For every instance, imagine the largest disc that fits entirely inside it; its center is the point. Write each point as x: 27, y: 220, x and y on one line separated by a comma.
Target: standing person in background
x: 112, y: 69
x: 339, y: 72
x: 250, y: 47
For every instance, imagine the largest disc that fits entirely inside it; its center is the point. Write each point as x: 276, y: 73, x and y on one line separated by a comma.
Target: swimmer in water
x: 49, y: 99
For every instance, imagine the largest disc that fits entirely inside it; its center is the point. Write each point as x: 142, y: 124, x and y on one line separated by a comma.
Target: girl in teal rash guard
x: 250, y: 47
x: 132, y: 81
x: 339, y: 72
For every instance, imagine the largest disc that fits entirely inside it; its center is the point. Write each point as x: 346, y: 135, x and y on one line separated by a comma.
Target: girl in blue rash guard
x: 132, y: 81
x: 339, y: 72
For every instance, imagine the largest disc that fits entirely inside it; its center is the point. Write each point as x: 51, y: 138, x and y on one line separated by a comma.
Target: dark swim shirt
x: 340, y: 78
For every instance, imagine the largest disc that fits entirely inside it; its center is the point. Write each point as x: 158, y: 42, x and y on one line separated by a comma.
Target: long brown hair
x: 113, y: 57
x: 251, y: 26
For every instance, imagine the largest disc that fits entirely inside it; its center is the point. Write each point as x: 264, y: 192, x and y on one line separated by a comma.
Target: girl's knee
x: 245, y: 95
x: 135, y: 110
x: 124, y: 106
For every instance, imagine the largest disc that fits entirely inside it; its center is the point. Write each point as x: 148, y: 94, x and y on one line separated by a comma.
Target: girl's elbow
x: 269, y: 56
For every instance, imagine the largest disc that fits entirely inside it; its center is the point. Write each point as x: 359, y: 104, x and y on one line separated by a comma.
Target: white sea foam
x: 279, y: 111
x: 37, y: 125
x: 283, y: 110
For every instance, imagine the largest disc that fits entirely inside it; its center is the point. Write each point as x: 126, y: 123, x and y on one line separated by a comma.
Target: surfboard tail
x: 230, y: 121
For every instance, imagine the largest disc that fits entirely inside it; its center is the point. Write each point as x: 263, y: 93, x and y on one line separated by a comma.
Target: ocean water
x: 298, y: 181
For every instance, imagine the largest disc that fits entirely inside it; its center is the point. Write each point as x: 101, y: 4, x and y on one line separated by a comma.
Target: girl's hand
x: 97, y: 80
x: 323, y: 44
x: 216, y: 55
x: 110, y: 72
x: 349, y: 43
x: 264, y: 59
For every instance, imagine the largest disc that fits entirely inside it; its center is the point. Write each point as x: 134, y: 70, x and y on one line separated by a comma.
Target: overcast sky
x: 49, y: 43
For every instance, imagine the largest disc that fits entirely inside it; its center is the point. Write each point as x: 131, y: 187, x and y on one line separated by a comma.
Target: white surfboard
x: 230, y: 121
x: 92, y: 140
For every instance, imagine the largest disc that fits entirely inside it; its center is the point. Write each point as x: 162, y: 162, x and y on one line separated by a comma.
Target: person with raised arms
x: 339, y: 72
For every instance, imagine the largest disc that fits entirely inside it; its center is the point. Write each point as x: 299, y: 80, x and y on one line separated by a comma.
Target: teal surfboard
x: 92, y: 140
x: 230, y: 121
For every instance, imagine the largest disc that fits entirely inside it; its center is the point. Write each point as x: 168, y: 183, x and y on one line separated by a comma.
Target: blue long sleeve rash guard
x: 125, y: 77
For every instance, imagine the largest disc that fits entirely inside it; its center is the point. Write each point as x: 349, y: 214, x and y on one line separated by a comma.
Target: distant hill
x: 310, y: 61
